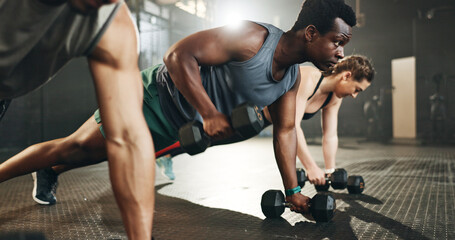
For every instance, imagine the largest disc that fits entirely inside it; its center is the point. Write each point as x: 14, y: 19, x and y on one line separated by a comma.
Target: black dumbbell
x: 339, y: 180
x: 322, y: 205
x: 246, y: 120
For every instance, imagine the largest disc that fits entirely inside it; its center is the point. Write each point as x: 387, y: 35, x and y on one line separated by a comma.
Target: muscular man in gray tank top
x: 319, y: 41
x: 209, y: 72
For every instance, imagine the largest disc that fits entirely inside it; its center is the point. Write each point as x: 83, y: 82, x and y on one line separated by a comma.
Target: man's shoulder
x: 309, y: 71
x: 270, y: 28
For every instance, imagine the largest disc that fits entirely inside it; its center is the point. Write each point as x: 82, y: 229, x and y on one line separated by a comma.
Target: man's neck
x: 288, y: 51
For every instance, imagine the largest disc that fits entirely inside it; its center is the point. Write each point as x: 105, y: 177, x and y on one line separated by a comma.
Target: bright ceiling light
x: 232, y: 20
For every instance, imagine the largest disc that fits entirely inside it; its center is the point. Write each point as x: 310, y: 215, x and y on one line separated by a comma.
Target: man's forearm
x: 132, y: 174
x: 285, y: 145
x: 329, y: 149
x: 130, y: 153
x: 119, y: 91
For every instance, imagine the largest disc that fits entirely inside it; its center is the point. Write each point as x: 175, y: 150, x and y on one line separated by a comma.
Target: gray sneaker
x: 165, y: 165
x: 45, y: 186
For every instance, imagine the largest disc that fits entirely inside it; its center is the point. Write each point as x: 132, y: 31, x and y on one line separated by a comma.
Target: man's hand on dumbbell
x: 217, y: 126
x: 298, y: 203
x: 246, y: 119
x: 320, y: 208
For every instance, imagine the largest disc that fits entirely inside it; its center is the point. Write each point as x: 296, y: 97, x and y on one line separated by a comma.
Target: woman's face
x: 347, y: 86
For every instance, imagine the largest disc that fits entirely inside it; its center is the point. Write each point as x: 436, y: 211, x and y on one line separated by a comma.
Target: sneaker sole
x: 163, y: 172
x: 35, y: 183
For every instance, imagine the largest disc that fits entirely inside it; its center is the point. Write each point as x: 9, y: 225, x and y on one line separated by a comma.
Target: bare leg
x: 84, y: 147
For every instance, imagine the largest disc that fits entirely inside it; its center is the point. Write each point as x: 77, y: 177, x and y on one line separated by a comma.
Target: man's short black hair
x: 322, y: 14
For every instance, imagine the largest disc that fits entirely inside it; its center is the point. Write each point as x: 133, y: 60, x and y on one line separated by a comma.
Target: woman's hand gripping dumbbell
x: 338, y: 180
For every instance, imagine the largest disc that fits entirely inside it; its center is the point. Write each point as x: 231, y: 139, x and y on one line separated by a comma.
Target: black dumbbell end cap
x: 322, y: 207
x: 356, y: 185
x: 272, y: 203
x: 339, y: 179
x: 192, y: 138
x: 322, y: 188
x: 301, y: 177
x: 247, y: 120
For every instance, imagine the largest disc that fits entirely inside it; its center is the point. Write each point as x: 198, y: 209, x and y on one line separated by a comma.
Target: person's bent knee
x: 77, y: 152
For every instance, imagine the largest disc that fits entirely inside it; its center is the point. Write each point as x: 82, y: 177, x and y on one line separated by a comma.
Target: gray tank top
x: 230, y: 84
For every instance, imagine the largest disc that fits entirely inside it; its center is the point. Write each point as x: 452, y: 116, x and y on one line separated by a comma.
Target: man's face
x: 327, y: 49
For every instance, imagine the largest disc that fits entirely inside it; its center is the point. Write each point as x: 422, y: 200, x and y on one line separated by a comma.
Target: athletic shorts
x: 163, y: 133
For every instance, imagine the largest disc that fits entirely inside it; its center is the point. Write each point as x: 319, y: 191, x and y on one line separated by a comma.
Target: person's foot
x: 45, y: 186
x: 165, y: 165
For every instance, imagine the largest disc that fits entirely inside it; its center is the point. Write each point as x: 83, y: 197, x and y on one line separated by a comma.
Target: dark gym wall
x: 393, y: 29
x: 435, y: 60
x: 53, y: 111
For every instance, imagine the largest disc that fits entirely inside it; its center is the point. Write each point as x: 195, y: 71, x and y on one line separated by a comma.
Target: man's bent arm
x: 209, y: 48
x: 129, y: 143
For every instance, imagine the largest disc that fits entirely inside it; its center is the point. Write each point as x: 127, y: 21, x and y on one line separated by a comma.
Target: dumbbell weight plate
x: 339, y: 179
x: 323, y: 207
x: 272, y: 203
x: 192, y: 138
x: 355, y: 184
x: 322, y: 188
x: 301, y: 177
x: 247, y: 120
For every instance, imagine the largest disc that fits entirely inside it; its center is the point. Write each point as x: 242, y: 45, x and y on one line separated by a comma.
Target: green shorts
x: 163, y: 133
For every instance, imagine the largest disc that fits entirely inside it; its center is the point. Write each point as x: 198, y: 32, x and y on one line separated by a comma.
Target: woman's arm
x: 314, y: 172
x: 330, y: 135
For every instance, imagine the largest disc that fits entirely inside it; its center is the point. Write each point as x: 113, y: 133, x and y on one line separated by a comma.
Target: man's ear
x: 311, y: 32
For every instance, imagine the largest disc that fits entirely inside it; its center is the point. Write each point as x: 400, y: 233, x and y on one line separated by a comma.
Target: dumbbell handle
x: 289, y: 205
x: 328, y: 177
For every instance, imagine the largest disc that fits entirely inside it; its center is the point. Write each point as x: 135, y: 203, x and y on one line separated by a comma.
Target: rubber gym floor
x: 409, y: 194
